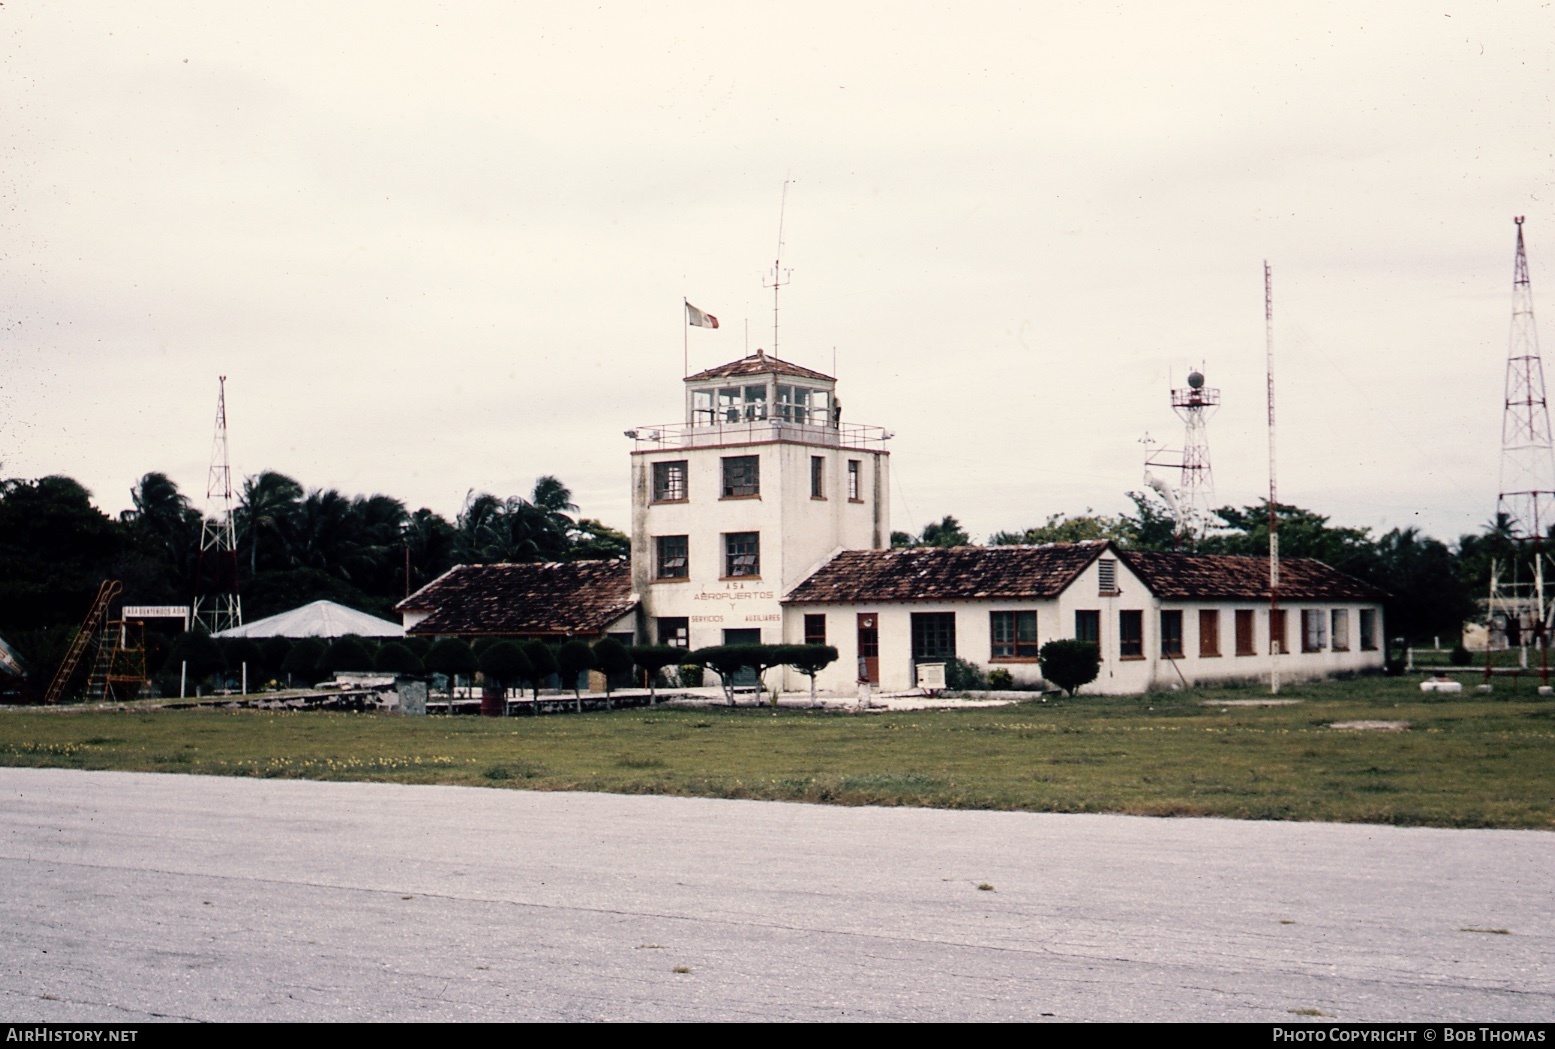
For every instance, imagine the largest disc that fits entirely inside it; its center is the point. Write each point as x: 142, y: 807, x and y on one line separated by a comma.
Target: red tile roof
x: 1189, y: 577
x: 961, y: 573
x: 969, y: 573
x: 758, y: 363
x: 576, y: 598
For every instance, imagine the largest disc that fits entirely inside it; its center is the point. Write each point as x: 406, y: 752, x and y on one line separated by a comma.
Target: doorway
x: 869, y: 647
x: 745, y: 677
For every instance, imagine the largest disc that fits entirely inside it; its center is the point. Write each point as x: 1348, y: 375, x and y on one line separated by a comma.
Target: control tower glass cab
x: 762, y: 388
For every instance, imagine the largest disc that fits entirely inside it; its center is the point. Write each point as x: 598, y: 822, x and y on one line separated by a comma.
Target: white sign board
x: 158, y: 612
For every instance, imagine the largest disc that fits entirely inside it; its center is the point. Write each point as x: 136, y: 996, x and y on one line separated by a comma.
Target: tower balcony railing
x: 720, y: 431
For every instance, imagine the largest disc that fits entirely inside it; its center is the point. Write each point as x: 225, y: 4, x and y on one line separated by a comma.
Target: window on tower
x: 739, y: 404
x: 742, y: 554
x: 670, y: 558
x: 669, y: 482
x: 817, y: 477
x: 742, y: 476
x: 853, y: 482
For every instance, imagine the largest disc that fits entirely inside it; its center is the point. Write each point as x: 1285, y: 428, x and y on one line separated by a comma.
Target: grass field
x: 1476, y: 761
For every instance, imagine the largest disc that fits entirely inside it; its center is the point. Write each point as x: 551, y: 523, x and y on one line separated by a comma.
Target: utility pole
x: 1275, y: 642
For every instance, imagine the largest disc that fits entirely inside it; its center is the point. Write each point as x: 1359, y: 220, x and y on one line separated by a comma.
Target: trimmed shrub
x: 809, y: 660
x: 302, y: 662
x: 652, y: 659
x: 613, y: 659
x: 453, y: 657
x: 542, y: 663
x: 1070, y: 663
x: 572, y: 659
x: 347, y: 653
x: 396, y: 658
x: 505, y: 663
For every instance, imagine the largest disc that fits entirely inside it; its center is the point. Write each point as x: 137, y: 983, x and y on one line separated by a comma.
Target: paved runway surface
x: 131, y: 897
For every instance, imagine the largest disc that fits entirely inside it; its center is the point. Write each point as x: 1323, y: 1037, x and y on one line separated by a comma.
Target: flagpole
x: 685, y: 337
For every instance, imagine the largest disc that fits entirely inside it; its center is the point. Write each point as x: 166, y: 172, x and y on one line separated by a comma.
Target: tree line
x: 294, y: 545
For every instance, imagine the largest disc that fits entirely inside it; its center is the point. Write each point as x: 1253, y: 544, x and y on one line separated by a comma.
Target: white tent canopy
x: 317, y: 619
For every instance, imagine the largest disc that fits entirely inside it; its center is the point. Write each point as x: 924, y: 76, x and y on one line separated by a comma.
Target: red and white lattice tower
x: 216, y: 603
x: 1525, y: 507
x: 1192, y: 498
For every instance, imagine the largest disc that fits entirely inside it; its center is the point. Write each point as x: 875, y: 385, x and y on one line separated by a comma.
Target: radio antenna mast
x: 779, y: 275
x: 1276, y: 639
x: 216, y: 603
x: 1525, y: 507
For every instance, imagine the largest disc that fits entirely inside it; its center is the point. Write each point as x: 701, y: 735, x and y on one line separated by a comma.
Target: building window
x: 670, y: 557
x: 1209, y: 633
x: 742, y: 554
x: 1107, y: 576
x: 1171, y: 633
x: 1087, y: 626
x: 1245, y: 645
x: 817, y: 477
x: 853, y: 488
x: 1314, y: 630
x: 1014, y: 635
x: 742, y: 403
x: 798, y: 404
x: 674, y: 631
x: 1277, y: 631
x: 742, y: 476
x: 1131, y: 634
x: 933, y: 635
x: 669, y: 482
x: 815, y: 629
x: 1368, y: 630
x: 1341, y: 635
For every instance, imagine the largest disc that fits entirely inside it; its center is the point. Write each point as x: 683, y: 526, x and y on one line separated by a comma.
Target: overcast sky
x: 437, y: 247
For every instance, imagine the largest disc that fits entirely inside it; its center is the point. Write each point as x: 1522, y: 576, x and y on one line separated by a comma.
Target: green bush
x: 690, y: 675
x: 1460, y: 656
x: 348, y: 653
x: 302, y: 662
x: 962, y: 676
x: 572, y: 659
x: 504, y: 663
x: 1000, y: 680
x: 613, y: 659
x: 1070, y: 663
x: 397, y: 658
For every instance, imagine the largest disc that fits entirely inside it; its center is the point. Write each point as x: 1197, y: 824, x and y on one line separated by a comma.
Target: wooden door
x: 869, y: 647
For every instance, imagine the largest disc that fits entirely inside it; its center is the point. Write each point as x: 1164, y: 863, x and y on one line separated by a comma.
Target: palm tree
x: 432, y: 544
x: 268, y: 505
x: 167, y: 525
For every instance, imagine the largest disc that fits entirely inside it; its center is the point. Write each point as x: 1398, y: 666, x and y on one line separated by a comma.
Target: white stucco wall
x: 798, y: 532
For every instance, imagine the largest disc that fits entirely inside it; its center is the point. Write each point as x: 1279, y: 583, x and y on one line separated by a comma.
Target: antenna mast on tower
x: 1525, y: 506
x: 1276, y: 637
x: 216, y: 603
x: 778, y: 273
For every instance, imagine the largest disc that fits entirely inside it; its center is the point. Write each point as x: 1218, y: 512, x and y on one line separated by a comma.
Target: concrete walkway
x: 130, y: 897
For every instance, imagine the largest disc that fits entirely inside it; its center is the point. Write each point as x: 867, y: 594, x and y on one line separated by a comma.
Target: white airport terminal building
x: 763, y: 517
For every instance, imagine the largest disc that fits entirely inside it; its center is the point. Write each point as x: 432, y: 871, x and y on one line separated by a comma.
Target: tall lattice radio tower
x: 1192, y: 498
x: 1525, y: 507
x: 216, y: 603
